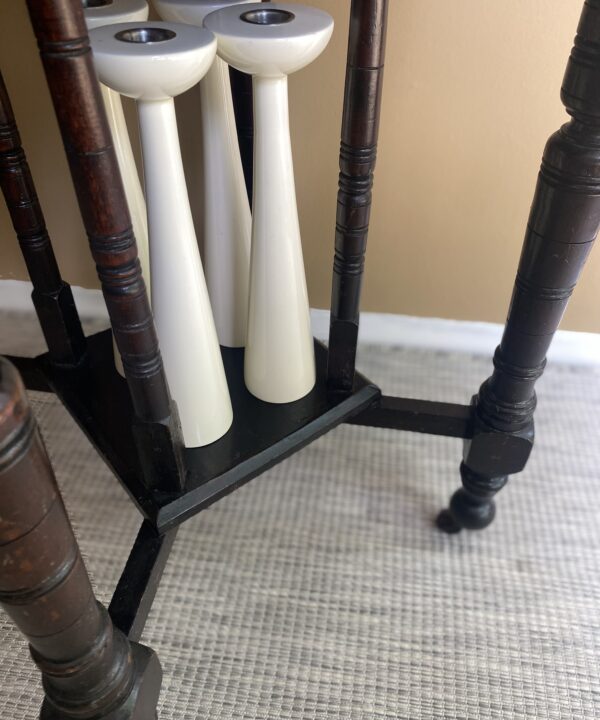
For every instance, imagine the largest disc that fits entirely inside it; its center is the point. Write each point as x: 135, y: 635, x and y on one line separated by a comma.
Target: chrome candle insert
x: 268, y: 16
x: 146, y: 35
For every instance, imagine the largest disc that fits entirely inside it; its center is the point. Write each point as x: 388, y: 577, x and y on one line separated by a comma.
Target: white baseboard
x: 15, y: 295
x: 479, y: 338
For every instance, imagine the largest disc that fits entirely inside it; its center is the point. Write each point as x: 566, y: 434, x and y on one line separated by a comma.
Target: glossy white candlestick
x: 112, y: 12
x: 180, y: 301
x: 279, y: 363
x: 227, y: 220
x: 182, y: 309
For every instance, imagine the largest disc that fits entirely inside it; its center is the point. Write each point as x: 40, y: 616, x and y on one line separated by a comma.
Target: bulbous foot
x: 472, y: 506
x: 446, y: 523
x: 138, y: 704
x: 471, y: 512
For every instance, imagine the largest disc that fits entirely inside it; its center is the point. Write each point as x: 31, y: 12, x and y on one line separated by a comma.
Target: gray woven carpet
x: 321, y: 590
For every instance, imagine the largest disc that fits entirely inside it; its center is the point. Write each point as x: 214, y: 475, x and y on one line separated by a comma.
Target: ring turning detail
x: 109, y: 12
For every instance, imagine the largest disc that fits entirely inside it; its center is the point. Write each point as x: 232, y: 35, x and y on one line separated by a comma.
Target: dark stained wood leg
x: 563, y: 224
x: 135, y: 592
x: 61, y: 33
x: 90, y: 670
x: 358, y: 150
x: 52, y: 297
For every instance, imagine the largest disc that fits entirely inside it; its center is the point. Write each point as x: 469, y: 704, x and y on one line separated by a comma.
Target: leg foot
x: 139, y: 704
x: 446, y: 523
x: 470, y: 512
x: 90, y: 670
x: 490, y: 456
x: 472, y: 506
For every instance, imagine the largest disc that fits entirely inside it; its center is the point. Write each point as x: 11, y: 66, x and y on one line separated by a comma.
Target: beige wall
x: 471, y: 93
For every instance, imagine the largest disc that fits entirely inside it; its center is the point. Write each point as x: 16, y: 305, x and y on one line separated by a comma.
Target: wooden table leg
x: 562, y: 227
x: 61, y: 32
x: 90, y: 670
x: 52, y: 296
x: 358, y: 151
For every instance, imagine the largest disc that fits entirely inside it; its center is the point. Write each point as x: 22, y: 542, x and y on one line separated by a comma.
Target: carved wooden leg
x: 61, y: 32
x: 90, y: 670
x: 52, y: 297
x: 358, y: 150
x: 563, y: 224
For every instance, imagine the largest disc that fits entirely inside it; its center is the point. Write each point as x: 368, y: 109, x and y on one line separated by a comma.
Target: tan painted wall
x: 471, y: 94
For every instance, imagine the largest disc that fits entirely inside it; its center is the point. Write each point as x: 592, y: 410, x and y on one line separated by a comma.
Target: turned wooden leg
x: 563, y: 224
x: 90, y: 670
x: 52, y: 297
x: 61, y: 33
x: 358, y: 151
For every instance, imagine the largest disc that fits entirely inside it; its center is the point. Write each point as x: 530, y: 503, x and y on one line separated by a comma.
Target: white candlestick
x: 269, y: 42
x: 227, y: 220
x: 279, y: 362
x: 153, y: 62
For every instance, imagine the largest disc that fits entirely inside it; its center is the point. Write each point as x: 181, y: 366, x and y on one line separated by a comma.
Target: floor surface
x: 322, y: 591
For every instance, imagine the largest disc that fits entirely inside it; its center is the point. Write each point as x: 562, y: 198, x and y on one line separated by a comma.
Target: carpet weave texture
x: 322, y: 591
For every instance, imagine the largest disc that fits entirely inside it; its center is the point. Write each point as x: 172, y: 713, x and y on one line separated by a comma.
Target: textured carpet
x: 321, y: 590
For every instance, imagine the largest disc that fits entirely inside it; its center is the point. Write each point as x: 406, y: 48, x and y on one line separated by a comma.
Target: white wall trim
x: 15, y: 295
x: 479, y: 338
